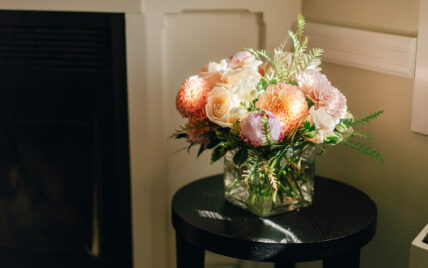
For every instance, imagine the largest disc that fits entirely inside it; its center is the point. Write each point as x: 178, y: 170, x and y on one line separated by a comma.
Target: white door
x: 180, y: 36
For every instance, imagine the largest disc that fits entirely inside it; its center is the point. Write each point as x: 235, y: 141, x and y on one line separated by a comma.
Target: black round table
x: 340, y: 221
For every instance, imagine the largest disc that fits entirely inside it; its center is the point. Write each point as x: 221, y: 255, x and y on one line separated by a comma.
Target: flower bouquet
x: 268, y: 116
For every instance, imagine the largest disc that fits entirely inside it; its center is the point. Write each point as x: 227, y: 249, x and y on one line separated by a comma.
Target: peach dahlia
x: 286, y: 102
x: 192, y: 97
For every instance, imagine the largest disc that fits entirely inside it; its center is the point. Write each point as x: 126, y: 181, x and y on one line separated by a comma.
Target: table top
x: 340, y: 219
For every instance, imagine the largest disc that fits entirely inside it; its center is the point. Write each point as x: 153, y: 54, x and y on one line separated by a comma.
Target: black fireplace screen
x: 64, y: 164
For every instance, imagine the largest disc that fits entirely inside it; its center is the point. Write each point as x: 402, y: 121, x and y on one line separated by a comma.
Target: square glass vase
x: 253, y: 193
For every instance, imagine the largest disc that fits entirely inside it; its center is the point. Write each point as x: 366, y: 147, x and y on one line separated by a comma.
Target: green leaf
x: 181, y: 135
x: 190, y: 146
x: 240, y: 157
x: 219, y: 152
x: 262, y: 85
x: 201, y: 150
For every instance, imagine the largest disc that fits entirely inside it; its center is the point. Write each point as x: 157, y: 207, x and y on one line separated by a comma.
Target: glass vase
x: 253, y: 191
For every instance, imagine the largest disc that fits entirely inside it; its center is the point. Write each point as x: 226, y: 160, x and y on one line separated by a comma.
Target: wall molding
x: 380, y: 52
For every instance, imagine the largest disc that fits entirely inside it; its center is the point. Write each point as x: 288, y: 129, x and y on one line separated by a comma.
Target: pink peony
x: 252, y: 131
x: 192, y: 97
x: 317, y: 88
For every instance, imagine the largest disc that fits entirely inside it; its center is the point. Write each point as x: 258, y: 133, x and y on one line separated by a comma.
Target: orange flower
x: 287, y: 102
x: 192, y: 97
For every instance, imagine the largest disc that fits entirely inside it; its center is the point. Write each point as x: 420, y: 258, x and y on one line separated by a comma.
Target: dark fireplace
x: 64, y: 152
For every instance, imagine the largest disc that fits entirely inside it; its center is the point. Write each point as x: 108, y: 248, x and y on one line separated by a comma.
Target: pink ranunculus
x: 253, y: 132
x: 240, y: 58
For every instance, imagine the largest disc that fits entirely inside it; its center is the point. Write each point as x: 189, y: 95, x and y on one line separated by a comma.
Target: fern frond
x: 260, y: 54
x: 366, y: 119
x: 364, y: 149
x: 295, y: 39
x: 283, y: 44
x: 361, y: 135
x: 266, y: 131
x: 305, y: 60
x: 316, y: 52
x: 304, y: 44
x: 300, y: 25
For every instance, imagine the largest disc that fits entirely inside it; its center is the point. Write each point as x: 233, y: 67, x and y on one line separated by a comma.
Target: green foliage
x: 260, y: 54
x: 364, y: 149
x: 219, y: 151
x: 333, y: 139
x: 361, y: 135
x: 300, y: 25
x: 365, y: 119
x: 201, y: 150
x: 262, y: 85
x: 308, y: 59
x: 241, y: 156
x: 266, y: 130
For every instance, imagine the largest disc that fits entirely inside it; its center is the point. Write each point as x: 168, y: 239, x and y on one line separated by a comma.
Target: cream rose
x: 219, y: 104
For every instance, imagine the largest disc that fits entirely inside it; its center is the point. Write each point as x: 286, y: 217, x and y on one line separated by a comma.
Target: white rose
x: 216, y: 67
x: 243, y: 85
x: 237, y: 113
x: 324, y: 124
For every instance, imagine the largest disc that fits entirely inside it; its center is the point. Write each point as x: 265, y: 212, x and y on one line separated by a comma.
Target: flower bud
x: 309, y: 133
x: 341, y: 127
x: 334, y: 138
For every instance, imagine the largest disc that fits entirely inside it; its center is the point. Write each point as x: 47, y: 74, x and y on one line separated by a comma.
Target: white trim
x: 385, y: 53
x: 123, y: 6
x: 420, y: 91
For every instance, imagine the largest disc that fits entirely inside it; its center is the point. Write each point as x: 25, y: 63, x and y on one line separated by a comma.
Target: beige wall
x: 400, y: 185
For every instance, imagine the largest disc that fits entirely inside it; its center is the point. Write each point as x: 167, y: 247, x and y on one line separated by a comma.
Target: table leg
x: 349, y: 260
x: 188, y: 255
x: 285, y: 265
